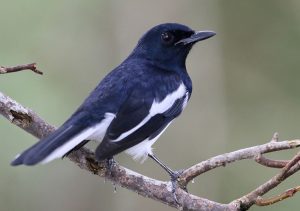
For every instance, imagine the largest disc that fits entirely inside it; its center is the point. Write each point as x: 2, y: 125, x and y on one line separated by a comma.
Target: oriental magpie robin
x: 133, y: 105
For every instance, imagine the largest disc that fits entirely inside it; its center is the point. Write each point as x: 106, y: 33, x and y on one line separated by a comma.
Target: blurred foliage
x: 245, y: 88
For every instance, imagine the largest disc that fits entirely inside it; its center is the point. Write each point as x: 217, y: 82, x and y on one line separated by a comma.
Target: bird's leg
x: 166, y: 168
x: 173, y: 174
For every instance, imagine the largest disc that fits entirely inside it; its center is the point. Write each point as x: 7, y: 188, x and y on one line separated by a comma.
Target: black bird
x: 133, y: 105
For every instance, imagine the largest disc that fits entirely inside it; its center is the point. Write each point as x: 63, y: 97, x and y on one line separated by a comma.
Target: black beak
x: 197, y: 36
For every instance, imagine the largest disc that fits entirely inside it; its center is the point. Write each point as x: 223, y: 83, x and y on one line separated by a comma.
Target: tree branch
x: 269, y: 162
x: 31, y: 67
x: 255, y: 196
x: 160, y: 190
x: 223, y: 160
x: 286, y: 194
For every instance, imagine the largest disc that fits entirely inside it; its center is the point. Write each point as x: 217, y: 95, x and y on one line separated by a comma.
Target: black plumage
x: 133, y: 104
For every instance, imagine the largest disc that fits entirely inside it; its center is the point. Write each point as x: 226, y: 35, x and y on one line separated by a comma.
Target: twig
x: 222, y: 160
x: 269, y: 162
x: 31, y: 67
x: 290, y: 164
x: 275, y: 137
x: 286, y: 194
x: 251, y: 198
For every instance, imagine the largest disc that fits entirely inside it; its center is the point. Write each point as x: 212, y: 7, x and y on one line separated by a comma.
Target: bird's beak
x: 197, y: 36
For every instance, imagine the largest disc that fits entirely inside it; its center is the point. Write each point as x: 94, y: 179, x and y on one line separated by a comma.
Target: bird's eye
x: 167, y: 38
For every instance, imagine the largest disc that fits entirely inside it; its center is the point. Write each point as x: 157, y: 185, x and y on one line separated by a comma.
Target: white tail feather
x: 62, y: 150
x: 95, y: 132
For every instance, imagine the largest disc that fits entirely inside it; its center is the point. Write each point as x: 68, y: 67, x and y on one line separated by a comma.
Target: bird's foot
x: 174, y: 181
x: 110, y: 162
x: 173, y: 174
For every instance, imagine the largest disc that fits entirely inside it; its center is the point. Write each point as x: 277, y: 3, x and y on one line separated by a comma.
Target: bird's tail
x: 56, y: 145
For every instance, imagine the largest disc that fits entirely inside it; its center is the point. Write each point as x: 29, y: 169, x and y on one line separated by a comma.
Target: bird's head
x: 168, y: 45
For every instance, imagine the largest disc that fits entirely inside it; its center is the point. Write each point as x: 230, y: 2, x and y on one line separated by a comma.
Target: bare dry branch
x: 286, y: 194
x: 270, y: 163
x: 222, y: 160
x: 31, y: 67
x: 251, y: 198
x: 290, y: 164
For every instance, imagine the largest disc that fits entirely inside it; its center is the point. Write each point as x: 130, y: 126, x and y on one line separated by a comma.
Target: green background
x: 246, y: 87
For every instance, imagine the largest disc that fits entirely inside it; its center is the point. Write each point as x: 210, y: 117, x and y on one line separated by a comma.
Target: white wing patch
x: 102, y: 127
x: 185, y: 100
x: 157, y: 108
x: 94, y: 133
x: 165, y: 104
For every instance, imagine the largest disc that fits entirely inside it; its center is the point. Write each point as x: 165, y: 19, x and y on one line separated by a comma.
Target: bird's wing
x: 61, y: 141
x: 140, y: 118
x: 90, y: 121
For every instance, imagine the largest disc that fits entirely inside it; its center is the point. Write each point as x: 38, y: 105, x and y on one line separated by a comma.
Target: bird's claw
x: 110, y: 162
x: 174, y: 176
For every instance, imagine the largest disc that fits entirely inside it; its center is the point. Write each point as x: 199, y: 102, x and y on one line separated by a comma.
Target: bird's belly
x: 141, y: 150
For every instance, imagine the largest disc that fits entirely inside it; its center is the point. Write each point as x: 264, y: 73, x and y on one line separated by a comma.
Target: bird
x: 133, y: 104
